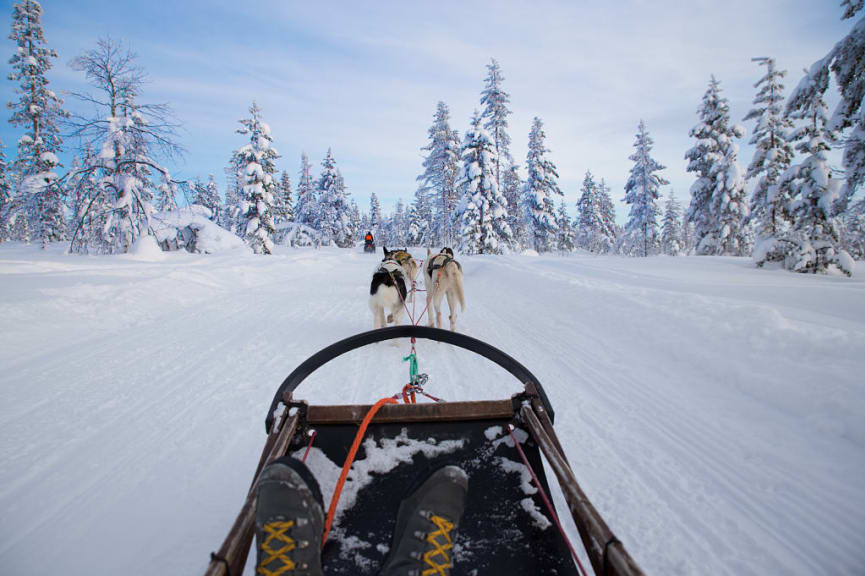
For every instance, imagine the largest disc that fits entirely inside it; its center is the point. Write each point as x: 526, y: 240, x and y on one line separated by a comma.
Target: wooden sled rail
x: 606, y: 552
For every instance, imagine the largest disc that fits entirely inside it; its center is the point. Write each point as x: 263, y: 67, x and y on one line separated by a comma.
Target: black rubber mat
x: 497, y: 534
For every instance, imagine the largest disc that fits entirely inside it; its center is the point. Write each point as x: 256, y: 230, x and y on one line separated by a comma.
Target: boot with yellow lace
x: 289, y: 520
x: 425, y: 525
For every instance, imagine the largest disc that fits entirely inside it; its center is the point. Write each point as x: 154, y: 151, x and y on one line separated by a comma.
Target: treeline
x: 472, y: 194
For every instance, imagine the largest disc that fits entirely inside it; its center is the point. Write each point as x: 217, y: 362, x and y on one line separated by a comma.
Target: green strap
x: 412, y: 367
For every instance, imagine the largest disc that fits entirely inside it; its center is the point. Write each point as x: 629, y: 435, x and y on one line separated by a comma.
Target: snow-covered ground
x: 714, y: 413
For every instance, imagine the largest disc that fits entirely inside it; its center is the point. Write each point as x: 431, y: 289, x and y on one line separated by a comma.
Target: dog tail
x: 457, y: 273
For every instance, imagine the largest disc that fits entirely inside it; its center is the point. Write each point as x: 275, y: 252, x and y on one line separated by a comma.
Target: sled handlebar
x: 336, y: 349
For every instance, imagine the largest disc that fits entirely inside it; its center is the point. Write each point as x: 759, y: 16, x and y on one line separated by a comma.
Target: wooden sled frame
x: 287, y: 417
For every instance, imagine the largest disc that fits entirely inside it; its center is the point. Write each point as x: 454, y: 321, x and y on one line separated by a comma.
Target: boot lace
x: 276, y: 534
x: 437, y: 557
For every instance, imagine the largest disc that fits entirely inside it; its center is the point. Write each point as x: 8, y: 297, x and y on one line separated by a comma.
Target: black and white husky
x: 387, y: 290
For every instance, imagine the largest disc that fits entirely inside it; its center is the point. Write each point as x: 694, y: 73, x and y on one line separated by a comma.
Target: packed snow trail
x: 714, y: 413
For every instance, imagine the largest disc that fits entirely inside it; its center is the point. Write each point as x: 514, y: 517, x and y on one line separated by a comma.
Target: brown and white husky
x: 443, y: 277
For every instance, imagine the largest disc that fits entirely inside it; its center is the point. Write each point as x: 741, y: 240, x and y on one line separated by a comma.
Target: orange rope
x: 349, y: 461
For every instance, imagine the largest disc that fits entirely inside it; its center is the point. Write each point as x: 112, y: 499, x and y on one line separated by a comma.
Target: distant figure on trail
x: 368, y: 243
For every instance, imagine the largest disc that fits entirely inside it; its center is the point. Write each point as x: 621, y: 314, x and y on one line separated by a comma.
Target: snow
x: 713, y: 412
x: 146, y: 249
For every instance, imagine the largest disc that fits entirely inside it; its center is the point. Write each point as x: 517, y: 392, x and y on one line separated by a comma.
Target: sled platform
x: 506, y: 527
x: 497, y: 535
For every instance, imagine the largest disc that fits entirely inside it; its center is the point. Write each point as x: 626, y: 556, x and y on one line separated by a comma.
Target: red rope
x: 349, y: 460
x: 545, y: 499
x: 312, y: 434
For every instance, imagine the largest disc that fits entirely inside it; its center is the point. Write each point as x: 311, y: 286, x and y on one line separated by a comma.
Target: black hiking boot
x: 422, y: 539
x: 289, y: 520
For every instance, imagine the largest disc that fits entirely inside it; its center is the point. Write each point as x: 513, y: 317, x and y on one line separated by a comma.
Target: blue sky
x: 364, y: 77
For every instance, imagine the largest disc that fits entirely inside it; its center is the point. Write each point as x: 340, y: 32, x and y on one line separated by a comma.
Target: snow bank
x: 190, y: 228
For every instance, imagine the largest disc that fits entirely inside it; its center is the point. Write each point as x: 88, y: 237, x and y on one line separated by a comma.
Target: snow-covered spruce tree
x: 565, y: 236
x: 166, y: 201
x: 305, y: 206
x: 687, y: 234
x: 815, y: 236
x: 207, y: 195
x: 5, y: 196
x: 334, y: 219
x: 398, y: 230
x: 589, y: 218
x: 259, y: 188
x: 512, y: 189
x: 495, y: 115
x: 419, y: 220
x: 482, y: 211
x: 847, y: 123
x: 356, y: 222
x: 772, y: 155
x: 609, y: 231
x: 283, y: 201
x: 718, y: 207
x: 671, y: 230
x: 229, y: 216
x: 642, y: 193
x: 439, y: 179
x: 38, y: 197
x: 128, y: 136
x: 854, y: 220
x: 539, y: 190
x: 375, y: 217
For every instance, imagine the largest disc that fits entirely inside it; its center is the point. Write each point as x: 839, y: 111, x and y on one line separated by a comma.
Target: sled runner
x: 508, y: 526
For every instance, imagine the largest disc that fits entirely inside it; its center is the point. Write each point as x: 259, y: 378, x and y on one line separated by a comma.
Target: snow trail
x: 714, y: 413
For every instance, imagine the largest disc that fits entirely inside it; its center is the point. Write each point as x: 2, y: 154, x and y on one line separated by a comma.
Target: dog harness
x: 391, y: 270
x: 440, y: 261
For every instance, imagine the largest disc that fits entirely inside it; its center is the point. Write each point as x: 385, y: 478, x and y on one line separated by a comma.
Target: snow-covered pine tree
x: 399, y: 225
x: 815, y: 235
x: 854, y: 221
x: 5, y: 196
x: 687, y: 234
x: 589, y: 218
x: 847, y: 124
x: 539, y: 190
x: 305, y: 207
x: 286, y: 213
x: 207, y: 195
x: 671, y: 231
x: 419, y: 220
x: 439, y: 179
x: 718, y: 208
x: 356, y: 222
x: 772, y: 155
x: 495, y: 115
x: 482, y: 211
x: 565, y: 237
x: 39, y: 196
x: 259, y: 188
x: 609, y: 231
x: 642, y: 193
x: 375, y: 217
x: 128, y: 135
x: 512, y: 189
x: 334, y: 219
x: 167, y: 199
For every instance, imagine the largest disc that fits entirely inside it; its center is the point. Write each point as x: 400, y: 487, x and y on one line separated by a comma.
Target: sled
x: 506, y: 527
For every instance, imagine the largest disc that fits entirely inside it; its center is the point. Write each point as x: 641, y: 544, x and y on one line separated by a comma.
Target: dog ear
x: 384, y: 249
